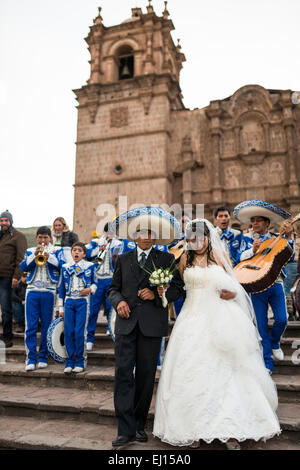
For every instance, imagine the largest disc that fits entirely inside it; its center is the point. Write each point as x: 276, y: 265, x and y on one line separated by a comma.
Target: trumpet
x: 41, y: 259
x: 101, y: 255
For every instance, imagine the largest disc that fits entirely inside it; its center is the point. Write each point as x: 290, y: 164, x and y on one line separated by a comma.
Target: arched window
x: 125, y: 60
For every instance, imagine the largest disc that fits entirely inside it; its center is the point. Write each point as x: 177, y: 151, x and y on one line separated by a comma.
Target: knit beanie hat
x: 8, y: 215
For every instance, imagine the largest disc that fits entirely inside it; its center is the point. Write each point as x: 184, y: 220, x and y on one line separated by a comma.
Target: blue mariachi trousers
x: 97, y: 300
x: 276, y: 298
x: 75, y: 321
x: 39, y: 305
x: 178, y: 306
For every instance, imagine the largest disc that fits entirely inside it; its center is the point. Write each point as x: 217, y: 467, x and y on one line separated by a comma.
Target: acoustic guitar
x: 177, y: 249
x: 260, y: 272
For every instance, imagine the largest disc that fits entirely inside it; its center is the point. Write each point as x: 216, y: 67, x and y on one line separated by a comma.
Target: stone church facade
x: 135, y: 137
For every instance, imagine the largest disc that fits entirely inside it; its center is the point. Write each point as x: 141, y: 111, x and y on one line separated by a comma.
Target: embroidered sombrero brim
x: 162, y: 224
x: 247, y: 209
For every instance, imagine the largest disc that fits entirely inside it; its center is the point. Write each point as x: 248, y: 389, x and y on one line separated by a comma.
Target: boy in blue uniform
x: 260, y: 214
x: 78, y: 281
x: 42, y: 281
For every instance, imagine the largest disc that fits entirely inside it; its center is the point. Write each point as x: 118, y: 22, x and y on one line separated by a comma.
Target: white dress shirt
x: 140, y: 251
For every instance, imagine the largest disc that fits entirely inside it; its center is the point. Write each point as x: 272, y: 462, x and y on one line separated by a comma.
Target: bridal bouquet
x: 161, y: 277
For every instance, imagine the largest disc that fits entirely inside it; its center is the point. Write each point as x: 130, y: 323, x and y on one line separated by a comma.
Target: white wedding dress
x: 213, y: 383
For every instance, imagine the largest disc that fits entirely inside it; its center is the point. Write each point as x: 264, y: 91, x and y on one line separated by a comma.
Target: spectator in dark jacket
x: 18, y: 303
x: 12, y: 250
x: 61, y: 235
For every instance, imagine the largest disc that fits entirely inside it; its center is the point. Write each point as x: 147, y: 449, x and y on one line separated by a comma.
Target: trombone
x: 40, y: 258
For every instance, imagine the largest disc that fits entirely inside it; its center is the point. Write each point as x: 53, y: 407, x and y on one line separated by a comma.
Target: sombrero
x: 255, y: 207
x: 161, y: 223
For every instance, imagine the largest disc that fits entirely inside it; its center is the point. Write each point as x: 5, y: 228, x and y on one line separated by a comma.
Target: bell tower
x: 124, y: 112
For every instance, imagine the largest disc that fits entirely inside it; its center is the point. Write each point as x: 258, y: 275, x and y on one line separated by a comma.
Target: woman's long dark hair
x: 197, y: 228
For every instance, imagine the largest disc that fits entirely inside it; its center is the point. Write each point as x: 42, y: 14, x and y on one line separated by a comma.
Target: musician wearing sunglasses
x: 261, y: 215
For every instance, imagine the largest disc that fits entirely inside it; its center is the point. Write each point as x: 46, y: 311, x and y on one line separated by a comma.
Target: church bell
x: 125, y: 72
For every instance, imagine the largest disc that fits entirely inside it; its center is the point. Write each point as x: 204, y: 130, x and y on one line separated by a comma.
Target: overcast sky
x: 43, y: 57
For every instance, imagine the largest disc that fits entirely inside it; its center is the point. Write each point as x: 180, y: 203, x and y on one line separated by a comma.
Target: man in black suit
x: 140, y: 324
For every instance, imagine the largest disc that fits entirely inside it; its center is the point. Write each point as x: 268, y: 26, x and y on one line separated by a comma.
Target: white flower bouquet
x: 161, y: 277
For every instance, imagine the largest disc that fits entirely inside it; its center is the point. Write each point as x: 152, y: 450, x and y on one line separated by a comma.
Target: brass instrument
x: 101, y: 255
x: 41, y: 259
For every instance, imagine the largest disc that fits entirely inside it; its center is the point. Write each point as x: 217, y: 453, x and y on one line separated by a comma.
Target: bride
x: 213, y: 383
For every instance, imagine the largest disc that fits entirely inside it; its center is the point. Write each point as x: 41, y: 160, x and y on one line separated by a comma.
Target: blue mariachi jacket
x: 63, y: 255
x: 92, y: 250
x: 234, y: 243
x: 84, y: 270
x: 248, y: 250
x: 29, y: 265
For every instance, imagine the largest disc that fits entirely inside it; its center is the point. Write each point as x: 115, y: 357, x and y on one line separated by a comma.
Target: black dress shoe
x: 141, y: 436
x: 121, y: 440
x: 8, y: 343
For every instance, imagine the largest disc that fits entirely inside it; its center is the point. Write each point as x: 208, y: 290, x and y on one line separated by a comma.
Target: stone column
x: 187, y: 157
x: 214, y: 112
x: 289, y: 126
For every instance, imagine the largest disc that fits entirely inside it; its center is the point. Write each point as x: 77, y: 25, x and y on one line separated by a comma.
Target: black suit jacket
x: 127, y: 280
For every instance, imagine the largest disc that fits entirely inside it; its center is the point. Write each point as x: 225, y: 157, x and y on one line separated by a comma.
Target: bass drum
x: 111, y: 321
x: 56, y: 340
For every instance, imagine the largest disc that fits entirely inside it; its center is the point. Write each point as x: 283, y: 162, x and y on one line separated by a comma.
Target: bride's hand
x: 227, y: 294
x: 161, y: 290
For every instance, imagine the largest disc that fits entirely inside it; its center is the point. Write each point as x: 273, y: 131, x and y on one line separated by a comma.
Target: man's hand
x: 256, y: 245
x: 227, y: 294
x: 61, y: 314
x: 146, y: 294
x: 287, y: 226
x: 123, y: 309
x: 40, y: 249
x: 161, y: 290
x: 85, y: 291
x: 14, y: 282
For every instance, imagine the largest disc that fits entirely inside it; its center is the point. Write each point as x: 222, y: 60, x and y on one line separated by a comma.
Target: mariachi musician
x: 101, y: 250
x: 262, y: 214
x: 232, y: 240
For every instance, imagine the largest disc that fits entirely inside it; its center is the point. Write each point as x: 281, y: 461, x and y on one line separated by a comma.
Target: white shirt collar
x: 140, y: 251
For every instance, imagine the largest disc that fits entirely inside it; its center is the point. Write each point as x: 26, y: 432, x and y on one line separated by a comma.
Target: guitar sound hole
x: 252, y: 266
x: 266, y: 251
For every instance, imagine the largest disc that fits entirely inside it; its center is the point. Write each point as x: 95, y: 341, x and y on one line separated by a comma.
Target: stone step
x: 103, y: 357
x: 27, y: 433
x: 292, y: 329
x: 102, y: 378
x: 93, y: 378
x: 97, y: 407
x: 102, y: 340
x: 288, y: 366
x: 288, y: 388
x: 290, y: 337
x: 289, y: 345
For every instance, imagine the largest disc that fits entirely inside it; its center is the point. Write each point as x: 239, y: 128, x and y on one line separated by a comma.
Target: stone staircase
x: 46, y: 409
